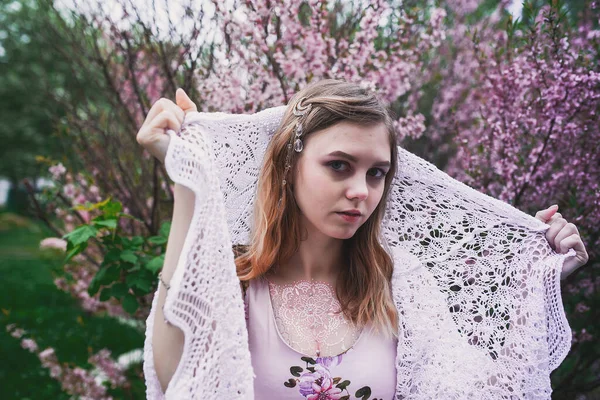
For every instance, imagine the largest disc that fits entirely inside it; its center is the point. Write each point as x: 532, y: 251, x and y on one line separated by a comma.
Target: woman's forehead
x: 357, y: 141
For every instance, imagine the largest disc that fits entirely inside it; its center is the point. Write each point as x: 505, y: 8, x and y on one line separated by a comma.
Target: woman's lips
x: 349, y: 217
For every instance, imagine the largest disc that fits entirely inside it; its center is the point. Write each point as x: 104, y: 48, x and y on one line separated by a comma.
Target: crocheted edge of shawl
x: 175, y: 140
x: 560, y: 316
x: 555, y: 263
x: 200, y: 116
x: 177, y: 276
x: 151, y: 379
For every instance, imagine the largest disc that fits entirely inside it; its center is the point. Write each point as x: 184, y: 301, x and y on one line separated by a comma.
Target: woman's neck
x: 318, y: 258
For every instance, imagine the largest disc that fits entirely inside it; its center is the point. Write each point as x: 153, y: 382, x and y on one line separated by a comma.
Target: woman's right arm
x: 167, y: 339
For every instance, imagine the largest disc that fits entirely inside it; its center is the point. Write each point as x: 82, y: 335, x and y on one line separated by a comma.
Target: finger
x: 551, y: 233
x: 183, y: 101
x: 572, y: 241
x: 554, y: 218
x: 567, y: 231
x: 545, y: 215
x: 167, y: 120
x: 159, y: 106
x: 551, y: 222
x: 177, y: 111
x: 173, y: 109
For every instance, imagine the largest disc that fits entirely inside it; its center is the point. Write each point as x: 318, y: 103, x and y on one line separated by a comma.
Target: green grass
x: 50, y: 316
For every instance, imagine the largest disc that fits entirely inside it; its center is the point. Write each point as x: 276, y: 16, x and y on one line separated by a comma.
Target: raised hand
x: 163, y: 115
x: 563, y: 236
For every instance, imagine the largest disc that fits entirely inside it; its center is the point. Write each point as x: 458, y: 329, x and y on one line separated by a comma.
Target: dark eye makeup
x: 380, y: 173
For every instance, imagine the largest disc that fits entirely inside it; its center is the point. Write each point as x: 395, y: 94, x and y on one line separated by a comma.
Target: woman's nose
x: 357, y: 189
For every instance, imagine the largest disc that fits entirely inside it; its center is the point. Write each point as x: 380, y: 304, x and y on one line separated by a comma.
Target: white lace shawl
x: 475, y: 282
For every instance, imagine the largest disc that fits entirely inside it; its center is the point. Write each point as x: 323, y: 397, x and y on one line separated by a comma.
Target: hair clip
x: 300, y: 111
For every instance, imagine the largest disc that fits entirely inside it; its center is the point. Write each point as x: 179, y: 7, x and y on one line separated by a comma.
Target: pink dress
x: 365, y: 370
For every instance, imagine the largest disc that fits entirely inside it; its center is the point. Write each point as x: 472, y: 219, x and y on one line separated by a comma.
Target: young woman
x: 316, y: 278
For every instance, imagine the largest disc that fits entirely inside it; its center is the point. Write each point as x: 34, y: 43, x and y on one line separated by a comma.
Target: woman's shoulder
x: 245, y: 284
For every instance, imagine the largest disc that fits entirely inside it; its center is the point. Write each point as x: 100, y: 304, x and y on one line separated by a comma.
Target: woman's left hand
x: 563, y: 236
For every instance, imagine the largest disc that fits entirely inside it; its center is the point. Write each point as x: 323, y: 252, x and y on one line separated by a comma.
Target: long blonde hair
x: 363, y: 288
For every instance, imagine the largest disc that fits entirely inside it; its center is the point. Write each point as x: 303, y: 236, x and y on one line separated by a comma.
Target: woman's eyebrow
x: 354, y: 159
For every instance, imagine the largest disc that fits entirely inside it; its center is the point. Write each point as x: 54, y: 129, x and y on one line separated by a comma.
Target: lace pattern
x: 309, y: 318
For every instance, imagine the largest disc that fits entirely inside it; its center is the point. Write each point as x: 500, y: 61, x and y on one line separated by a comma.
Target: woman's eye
x: 342, y: 166
x: 379, y: 173
x: 337, y: 165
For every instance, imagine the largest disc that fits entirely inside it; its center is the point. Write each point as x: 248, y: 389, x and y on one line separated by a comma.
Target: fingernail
x: 554, y: 206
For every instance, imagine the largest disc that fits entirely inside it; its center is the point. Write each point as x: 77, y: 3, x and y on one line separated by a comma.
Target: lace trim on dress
x: 309, y: 318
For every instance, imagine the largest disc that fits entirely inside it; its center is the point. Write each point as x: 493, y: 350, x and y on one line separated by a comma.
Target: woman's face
x: 341, y: 168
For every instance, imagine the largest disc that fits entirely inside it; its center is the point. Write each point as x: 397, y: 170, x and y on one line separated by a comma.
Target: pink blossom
x: 17, y: 333
x: 325, y: 390
x: 79, y: 199
x: 29, y: 344
x: 46, y: 354
x: 412, y: 126
x: 53, y: 243
x: 582, y: 336
x: 69, y: 190
x: 77, y: 381
x: 581, y: 307
x: 57, y: 170
x: 85, y: 215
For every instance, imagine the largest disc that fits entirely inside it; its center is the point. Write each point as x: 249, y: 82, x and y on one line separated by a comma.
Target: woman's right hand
x: 163, y: 115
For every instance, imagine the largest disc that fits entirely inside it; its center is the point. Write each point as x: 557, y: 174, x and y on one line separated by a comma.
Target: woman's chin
x: 342, y: 233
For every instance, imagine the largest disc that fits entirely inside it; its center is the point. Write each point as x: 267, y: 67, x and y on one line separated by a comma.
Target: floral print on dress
x: 314, y: 381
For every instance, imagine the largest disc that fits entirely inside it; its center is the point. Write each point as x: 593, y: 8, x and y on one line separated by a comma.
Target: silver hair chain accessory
x: 300, y: 111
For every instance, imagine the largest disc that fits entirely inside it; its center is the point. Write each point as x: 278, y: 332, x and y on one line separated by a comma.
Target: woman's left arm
x: 563, y: 236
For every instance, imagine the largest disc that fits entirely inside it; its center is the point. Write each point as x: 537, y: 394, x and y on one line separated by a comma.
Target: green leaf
x: 130, y: 303
x: 74, y: 251
x: 295, y: 371
x: 290, y: 383
x: 308, y: 360
x: 81, y: 234
x: 111, y: 256
x: 100, y: 204
x: 135, y: 280
x: 93, y: 287
x: 112, y: 275
x: 157, y: 240
x: 156, y: 264
x: 129, y: 256
x: 108, y: 223
x: 165, y: 228
x: 104, y: 276
x: 364, y: 392
x: 118, y: 290
x: 137, y: 241
x: 97, y: 281
x: 105, y: 294
x: 343, y: 384
x: 111, y: 208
